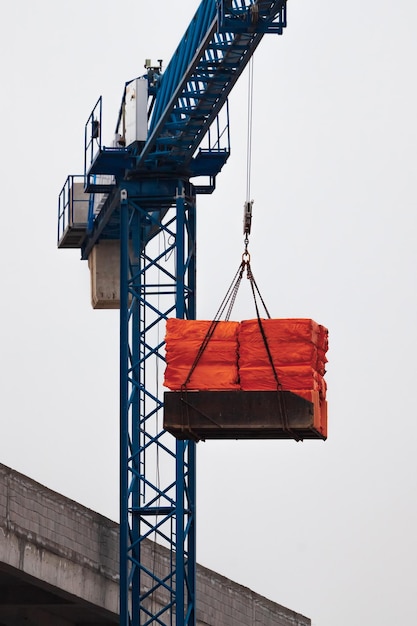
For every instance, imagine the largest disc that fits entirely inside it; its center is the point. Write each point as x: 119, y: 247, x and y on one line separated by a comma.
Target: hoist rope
x: 249, y: 131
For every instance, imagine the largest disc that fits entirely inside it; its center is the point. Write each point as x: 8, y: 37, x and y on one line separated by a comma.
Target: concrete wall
x: 66, y: 547
x: 47, y: 538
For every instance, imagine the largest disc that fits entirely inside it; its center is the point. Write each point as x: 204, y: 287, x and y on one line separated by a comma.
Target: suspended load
x: 256, y: 379
x: 260, y: 378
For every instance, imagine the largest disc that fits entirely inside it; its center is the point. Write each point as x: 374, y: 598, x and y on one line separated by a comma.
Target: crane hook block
x: 247, y: 217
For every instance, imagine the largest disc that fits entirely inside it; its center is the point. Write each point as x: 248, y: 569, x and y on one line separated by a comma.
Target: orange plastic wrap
x: 286, y: 330
x: 204, y: 378
x: 236, y: 357
x: 286, y: 352
x: 298, y: 348
x: 217, y: 367
x: 290, y: 378
x: 197, y: 330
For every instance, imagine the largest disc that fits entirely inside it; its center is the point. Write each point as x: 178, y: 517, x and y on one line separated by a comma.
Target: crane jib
x: 213, y: 53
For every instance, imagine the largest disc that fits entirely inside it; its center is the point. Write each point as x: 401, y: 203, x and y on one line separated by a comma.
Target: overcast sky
x: 326, y: 529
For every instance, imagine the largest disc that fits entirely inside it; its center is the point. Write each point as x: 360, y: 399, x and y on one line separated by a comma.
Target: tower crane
x: 134, y: 209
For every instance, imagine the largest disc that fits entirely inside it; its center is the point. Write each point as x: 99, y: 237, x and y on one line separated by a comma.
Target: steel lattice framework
x: 142, y: 195
x: 157, y: 475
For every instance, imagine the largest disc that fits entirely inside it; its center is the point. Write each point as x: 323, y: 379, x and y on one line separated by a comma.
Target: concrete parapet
x: 52, y: 545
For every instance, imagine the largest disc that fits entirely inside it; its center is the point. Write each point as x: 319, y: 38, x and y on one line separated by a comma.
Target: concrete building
x: 59, y: 565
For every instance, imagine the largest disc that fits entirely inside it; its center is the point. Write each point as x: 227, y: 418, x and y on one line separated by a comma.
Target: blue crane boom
x: 184, y: 102
x: 139, y: 193
x: 206, y: 65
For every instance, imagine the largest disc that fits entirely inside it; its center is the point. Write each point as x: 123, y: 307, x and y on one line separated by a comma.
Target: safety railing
x: 92, y: 135
x: 73, y: 205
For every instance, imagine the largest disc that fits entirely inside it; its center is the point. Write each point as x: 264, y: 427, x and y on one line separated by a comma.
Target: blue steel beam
x: 157, y: 281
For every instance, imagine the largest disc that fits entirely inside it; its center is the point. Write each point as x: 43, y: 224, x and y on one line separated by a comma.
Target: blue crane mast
x: 139, y: 194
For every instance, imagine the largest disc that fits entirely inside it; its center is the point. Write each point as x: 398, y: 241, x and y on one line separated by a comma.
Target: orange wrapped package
x: 298, y: 349
x: 236, y: 358
x: 216, y: 369
x: 290, y: 378
x: 253, y: 353
x: 286, y: 330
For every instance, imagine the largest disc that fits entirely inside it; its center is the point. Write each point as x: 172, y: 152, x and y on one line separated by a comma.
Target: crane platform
x: 202, y: 415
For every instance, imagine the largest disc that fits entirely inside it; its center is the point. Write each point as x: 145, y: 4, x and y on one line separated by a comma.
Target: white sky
x: 327, y: 529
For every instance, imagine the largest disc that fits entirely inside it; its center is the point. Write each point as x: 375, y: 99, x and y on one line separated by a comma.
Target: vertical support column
x: 185, y: 450
x: 136, y: 459
x: 130, y: 396
x: 157, y: 473
x: 124, y: 409
x: 180, y: 465
x: 191, y: 445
